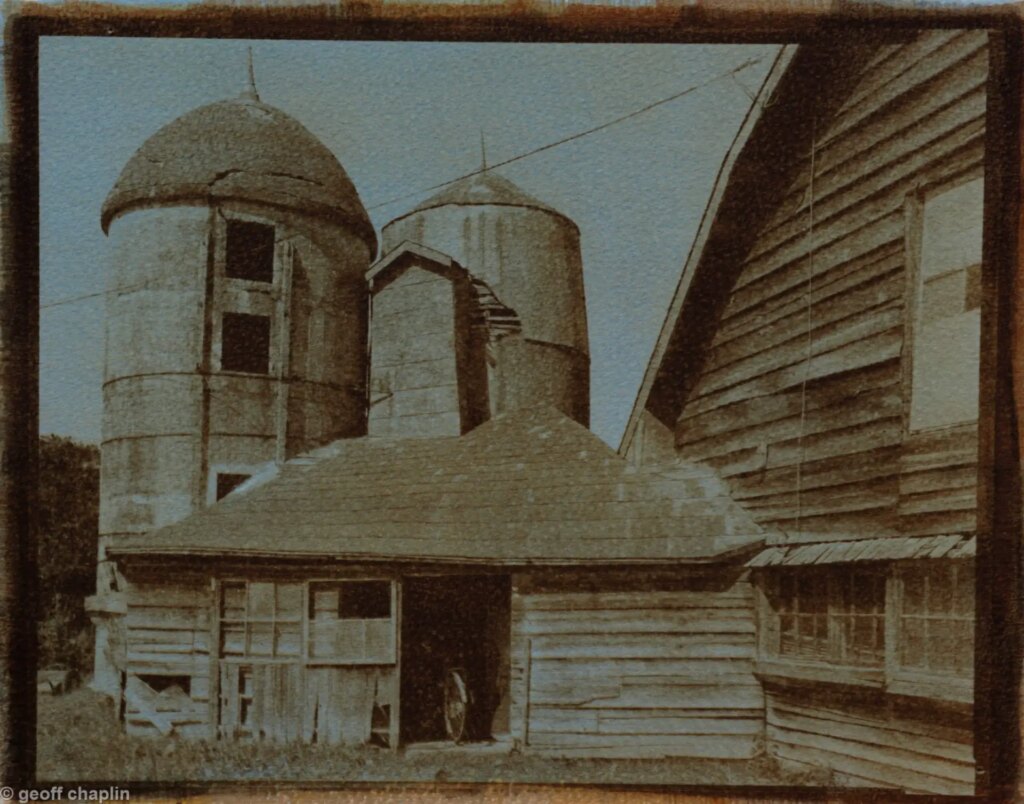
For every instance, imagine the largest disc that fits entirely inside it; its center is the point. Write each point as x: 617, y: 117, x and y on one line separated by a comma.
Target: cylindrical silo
x: 236, y: 310
x: 529, y: 255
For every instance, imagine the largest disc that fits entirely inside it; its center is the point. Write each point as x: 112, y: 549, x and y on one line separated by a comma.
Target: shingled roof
x: 528, y: 487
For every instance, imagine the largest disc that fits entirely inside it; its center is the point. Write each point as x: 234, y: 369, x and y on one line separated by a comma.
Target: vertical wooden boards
x: 635, y: 672
x: 801, y: 400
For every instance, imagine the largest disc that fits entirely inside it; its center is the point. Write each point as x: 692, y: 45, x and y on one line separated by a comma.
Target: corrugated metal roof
x: 528, y: 487
x: 890, y: 548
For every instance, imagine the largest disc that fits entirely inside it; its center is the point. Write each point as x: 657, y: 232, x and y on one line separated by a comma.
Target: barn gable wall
x: 792, y: 397
x: 802, y: 402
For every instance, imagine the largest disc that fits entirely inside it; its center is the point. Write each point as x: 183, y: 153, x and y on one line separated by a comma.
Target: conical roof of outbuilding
x: 528, y: 487
x: 239, y: 149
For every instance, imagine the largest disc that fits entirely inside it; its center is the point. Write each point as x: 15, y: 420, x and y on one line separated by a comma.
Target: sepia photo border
x: 998, y: 652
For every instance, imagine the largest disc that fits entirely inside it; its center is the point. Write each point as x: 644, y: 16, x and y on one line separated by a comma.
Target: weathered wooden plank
x: 869, y: 715
x: 845, y: 325
x: 875, y: 774
x: 601, y: 601
x: 676, y: 696
x: 859, y: 354
x: 683, y: 623
x: 892, y: 61
x: 794, y: 319
x: 829, y: 472
x: 169, y: 618
x: 939, y: 501
x: 946, y: 478
x: 899, y: 762
x: 856, y: 410
x: 584, y: 667
x: 740, y: 647
x: 787, y: 291
x: 608, y: 746
x: 887, y: 157
x: 881, y: 733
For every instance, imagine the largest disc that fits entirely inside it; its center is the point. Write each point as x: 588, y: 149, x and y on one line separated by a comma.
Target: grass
x: 79, y: 740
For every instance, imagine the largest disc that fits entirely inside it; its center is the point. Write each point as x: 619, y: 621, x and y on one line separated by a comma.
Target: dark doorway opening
x: 455, y: 622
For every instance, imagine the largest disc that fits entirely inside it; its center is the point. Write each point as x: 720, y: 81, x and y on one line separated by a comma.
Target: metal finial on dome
x: 250, y: 92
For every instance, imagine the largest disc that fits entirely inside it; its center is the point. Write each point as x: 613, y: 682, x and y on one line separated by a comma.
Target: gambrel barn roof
x: 528, y: 487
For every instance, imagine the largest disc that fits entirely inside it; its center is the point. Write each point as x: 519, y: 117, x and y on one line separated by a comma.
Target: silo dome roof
x: 239, y: 149
x: 485, y: 188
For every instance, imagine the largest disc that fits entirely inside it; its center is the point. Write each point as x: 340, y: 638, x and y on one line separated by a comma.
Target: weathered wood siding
x: 803, y: 385
x: 168, y: 633
x: 635, y: 666
x: 868, y: 742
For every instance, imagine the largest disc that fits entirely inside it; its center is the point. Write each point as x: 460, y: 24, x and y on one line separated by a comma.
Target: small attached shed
x: 596, y: 608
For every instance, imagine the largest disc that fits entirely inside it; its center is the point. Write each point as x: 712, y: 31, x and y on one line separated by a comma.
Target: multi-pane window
x: 826, y: 615
x: 352, y: 622
x: 249, y: 253
x: 803, y: 615
x: 261, y: 620
x: 245, y: 343
x: 914, y: 620
x: 936, y: 619
x: 947, y: 320
x: 859, y: 614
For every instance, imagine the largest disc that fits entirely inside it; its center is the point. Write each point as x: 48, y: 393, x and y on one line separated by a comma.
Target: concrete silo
x: 529, y: 256
x: 236, y: 312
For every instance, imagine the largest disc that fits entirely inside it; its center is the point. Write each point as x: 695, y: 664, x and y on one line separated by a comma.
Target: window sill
x: 794, y: 671
x: 953, y: 691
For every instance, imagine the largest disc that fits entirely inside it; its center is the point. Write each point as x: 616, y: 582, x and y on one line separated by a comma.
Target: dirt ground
x: 79, y: 740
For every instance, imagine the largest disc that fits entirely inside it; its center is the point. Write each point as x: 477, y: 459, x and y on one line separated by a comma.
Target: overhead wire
x: 732, y: 72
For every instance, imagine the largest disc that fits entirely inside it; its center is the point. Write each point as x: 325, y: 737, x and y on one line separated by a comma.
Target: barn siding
x: 867, y: 742
x: 168, y: 633
x: 636, y: 669
x: 813, y: 399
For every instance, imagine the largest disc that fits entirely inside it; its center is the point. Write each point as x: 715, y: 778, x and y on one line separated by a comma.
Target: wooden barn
x: 595, y: 609
x: 822, y: 356
x: 372, y: 510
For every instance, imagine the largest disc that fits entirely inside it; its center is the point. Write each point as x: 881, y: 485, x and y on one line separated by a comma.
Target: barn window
x: 250, y: 251
x: 827, y: 615
x: 352, y: 622
x: 227, y: 482
x: 936, y: 619
x: 947, y: 309
x: 261, y: 620
x: 245, y: 343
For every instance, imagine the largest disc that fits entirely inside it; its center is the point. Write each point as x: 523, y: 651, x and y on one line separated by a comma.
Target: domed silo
x: 236, y: 310
x: 529, y: 256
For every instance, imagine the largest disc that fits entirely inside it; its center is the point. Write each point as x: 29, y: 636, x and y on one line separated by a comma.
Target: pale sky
x: 401, y: 117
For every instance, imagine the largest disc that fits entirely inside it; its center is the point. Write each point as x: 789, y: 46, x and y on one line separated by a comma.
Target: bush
x: 69, y: 494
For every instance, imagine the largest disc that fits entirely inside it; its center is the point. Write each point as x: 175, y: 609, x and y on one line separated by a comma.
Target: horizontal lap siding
x: 790, y: 398
x: 168, y: 632
x: 872, y: 745
x: 636, y: 673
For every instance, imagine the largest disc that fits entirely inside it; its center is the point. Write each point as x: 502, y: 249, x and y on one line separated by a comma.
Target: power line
x: 578, y: 135
x: 517, y: 158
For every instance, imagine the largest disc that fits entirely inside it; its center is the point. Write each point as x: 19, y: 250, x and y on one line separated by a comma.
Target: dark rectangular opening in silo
x: 250, y: 251
x: 245, y: 343
x: 227, y: 482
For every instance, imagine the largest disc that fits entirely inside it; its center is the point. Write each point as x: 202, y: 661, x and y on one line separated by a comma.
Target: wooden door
x: 261, y: 701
